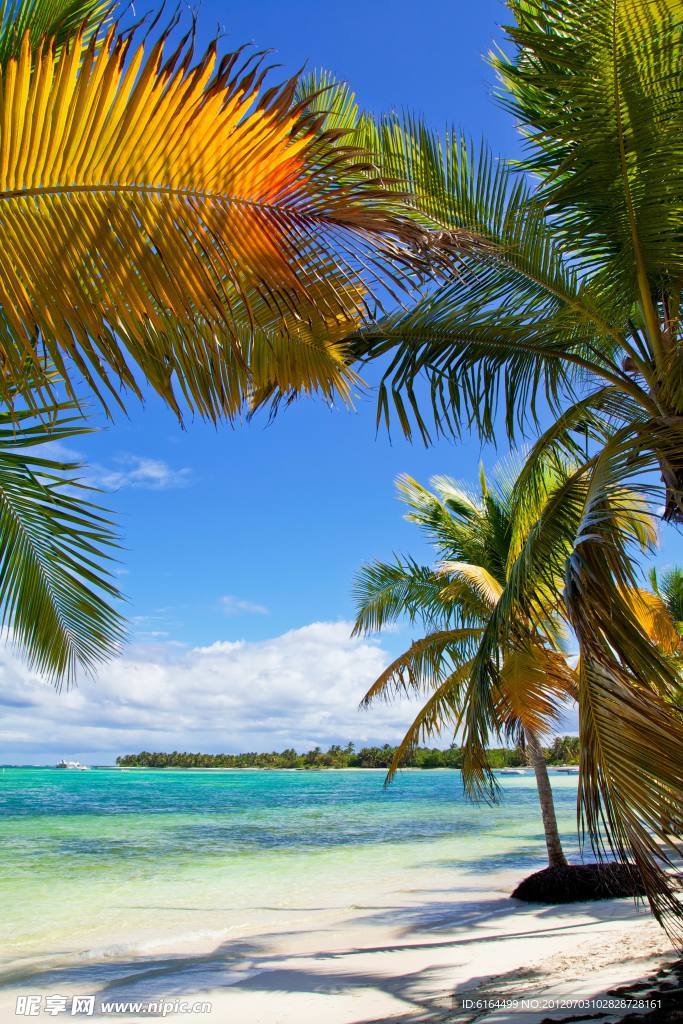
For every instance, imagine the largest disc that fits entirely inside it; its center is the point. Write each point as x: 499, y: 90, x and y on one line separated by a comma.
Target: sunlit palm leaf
x: 474, y: 577
x: 170, y: 215
x: 533, y: 685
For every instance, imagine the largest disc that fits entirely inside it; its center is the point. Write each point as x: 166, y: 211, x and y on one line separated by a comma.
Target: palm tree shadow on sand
x: 443, y: 938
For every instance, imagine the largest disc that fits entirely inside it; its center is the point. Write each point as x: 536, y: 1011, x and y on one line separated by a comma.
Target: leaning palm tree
x: 473, y: 536
x: 168, y: 219
x: 484, y: 667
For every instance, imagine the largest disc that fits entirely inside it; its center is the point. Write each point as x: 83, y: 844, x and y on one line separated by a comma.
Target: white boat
x: 569, y: 769
x: 74, y: 766
x: 510, y: 771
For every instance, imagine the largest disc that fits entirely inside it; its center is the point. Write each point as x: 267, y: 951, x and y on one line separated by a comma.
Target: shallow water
x: 111, y: 859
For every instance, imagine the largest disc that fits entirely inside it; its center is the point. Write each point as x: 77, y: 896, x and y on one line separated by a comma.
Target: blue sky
x: 280, y: 516
x: 237, y: 540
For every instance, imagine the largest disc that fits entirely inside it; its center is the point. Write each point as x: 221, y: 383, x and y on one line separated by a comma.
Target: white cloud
x: 59, y: 452
x: 298, y: 689
x: 232, y: 605
x: 127, y: 470
x: 137, y: 471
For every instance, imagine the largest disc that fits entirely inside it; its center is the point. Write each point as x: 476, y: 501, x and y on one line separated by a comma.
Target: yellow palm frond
x: 655, y: 619
x: 475, y: 578
x: 165, y: 214
x: 534, y: 681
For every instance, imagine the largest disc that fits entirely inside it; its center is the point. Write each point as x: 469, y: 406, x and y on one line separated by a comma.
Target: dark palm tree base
x: 578, y: 882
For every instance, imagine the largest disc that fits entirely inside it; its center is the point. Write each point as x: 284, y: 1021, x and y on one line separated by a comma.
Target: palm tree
x: 474, y: 536
x: 170, y: 220
x: 489, y: 665
x: 561, y: 314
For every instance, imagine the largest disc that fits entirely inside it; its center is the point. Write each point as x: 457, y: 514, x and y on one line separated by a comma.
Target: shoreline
x: 253, y: 768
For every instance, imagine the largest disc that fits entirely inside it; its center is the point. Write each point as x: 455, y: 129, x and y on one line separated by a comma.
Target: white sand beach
x: 410, y: 952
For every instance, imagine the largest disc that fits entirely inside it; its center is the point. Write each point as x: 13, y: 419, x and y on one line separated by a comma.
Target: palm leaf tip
x: 196, y: 232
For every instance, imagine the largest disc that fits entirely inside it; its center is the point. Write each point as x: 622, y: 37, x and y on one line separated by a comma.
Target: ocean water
x: 100, y: 861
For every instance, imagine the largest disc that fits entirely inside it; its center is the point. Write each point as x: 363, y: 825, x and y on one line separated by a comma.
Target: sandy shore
x: 415, y: 953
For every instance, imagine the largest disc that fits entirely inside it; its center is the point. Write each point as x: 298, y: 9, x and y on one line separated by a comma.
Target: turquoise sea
x: 106, y: 860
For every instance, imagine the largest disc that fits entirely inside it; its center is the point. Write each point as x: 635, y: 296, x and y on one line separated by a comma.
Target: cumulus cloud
x: 232, y: 605
x: 126, y: 470
x: 299, y: 689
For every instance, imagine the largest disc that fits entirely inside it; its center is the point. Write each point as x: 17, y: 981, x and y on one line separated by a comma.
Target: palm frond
x: 597, y: 86
x: 668, y: 585
x: 515, y: 324
x: 189, y: 220
x: 451, y: 517
x: 55, y: 546
x: 387, y: 591
x: 656, y: 620
x: 534, y: 684
x: 421, y: 668
x: 442, y: 710
x: 475, y: 578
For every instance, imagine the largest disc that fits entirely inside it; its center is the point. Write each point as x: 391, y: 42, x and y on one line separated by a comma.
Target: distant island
x: 564, y: 751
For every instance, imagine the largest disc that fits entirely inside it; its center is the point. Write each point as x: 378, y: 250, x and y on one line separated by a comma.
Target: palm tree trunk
x: 556, y: 857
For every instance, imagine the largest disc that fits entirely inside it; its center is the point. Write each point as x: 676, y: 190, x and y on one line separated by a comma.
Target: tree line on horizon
x: 564, y: 750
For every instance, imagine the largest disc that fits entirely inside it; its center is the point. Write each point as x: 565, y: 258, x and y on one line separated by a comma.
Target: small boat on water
x: 511, y: 771
x: 74, y: 766
x: 568, y: 769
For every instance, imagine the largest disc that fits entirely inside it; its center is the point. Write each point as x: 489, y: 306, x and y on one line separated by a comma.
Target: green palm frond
x: 421, y: 668
x: 669, y: 586
x: 329, y: 104
x: 441, y: 711
x: 515, y: 318
x: 451, y: 518
x: 56, y: 545
x: 387, y: 591
x: 598, y: 87
x: 60, y: 19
